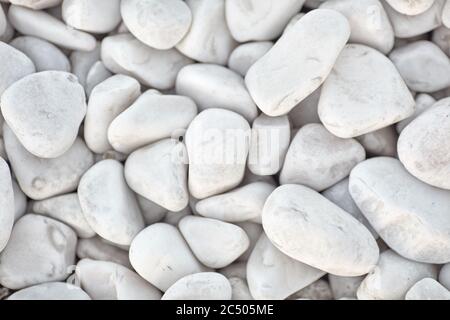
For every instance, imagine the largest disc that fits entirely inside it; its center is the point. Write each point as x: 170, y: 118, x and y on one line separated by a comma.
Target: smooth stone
x: 40, y: 250
x: 269, y: 144
x: 246, y: 54
x: 253, y: 231
x: 423, y: 66
x: 124, y: 54
x: 20, y: 201
x: 422, y: 146
x: 363, y: 93
x: 311, y: 48
x: 382, y: 142
x: 158, y: 172
x: 99, y: 16
x: 161, y: 256
x: 259, y: 19
x: 97, y: 249
x: 50, y: 291
x: 409, y: 215
x: 344, y: 287
x: 427, y: 289
x: 107, y: 100
x: 236, y: 269
x: 36, y: 4
x: 272, y: 275
x: 306, y: 111
x: 43, y: 25
x: 368, y: 20
x: 160, y: 24
x: 150, y: 118
x: 241, y: 204
x: 43, y: 178
x: 104, y: 280
x: 423, y: 102
x: 200, y: 286
x: 214, y: 86
x: 215, y: 243
x: 151, y: 212
x: 318, y: 159
x: 446, y: 15
x: 217, y: 145
x: 393, y: 277
x: 309, y: 228
x: 82, y: 62
x: 444, y: 276
x: 65, y: 208
x: 6, y: 203
x: 97, y: 74
x: 340, y: 196
x: 208, y: 39
x: 318, y: 290
x: 293, y: 21
x: 45, y: 110
x: 108, y: 204
x: 410, y: 8
x: 18, y: 66
x: 239, y: 289
x: 44, y: 55
x: 409, y: 26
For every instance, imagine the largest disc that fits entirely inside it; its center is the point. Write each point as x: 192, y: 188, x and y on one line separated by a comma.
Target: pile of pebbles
x: 225, y: 149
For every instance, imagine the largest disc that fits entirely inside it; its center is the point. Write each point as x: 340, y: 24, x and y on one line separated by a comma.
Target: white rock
x: 45, y: 110
x: 160, y: 255
x: 272, y: 275
x: 36, y: 4
x: 214, y: 86
x: 20, y: 201
x: 6, y: 203
x: 160, y: 24
x: 241, y: 204
x: 65, y: 208
x: 99, y: 16
x: 423, y: 102
x: 108, y: 204
x: 269, y: 144
x: 409, y: 7
x: 246, y: 54
x: 382, y: 142
x: 217, y: 144
x: 150, y: 118
x: 97, y: 74
x: 18, y: 66
x: 340, y: 195
x: 368, y: 21
x: 409, y: 215
x: 318, y: 159
x: 309, y: 228
x: 239, y: 289
x: 43, y: 178
x: 104, y: 280
x: 208, y: 39
x: 427, y: 289
x: 344, y: 287
x: 393, y: 277
x: 363, y: 93
x: 311, y: 48
x: 43, y: 25
x: 50, y: 291
x: 40, y: 250
x: 423, y: 66
x: 306, y: 111
x: 259, y: 19
x: 200, y: 286
x: 158, y: 172
x: 151, y: 212
x: 106, y: 101
x: 82, y: 62
x: 97, y: 249
x: 423, y: 147
x: 253, y: 231
x: 444, y: 276
x: 124, y: 54
x: 44, y: 55
x: 215, y: 243
x: 409, y: 26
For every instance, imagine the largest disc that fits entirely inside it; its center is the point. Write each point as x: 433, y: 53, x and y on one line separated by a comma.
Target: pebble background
x: 225, y: 149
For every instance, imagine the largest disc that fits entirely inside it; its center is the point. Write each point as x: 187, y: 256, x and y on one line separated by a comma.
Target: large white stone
x: 410, y: 8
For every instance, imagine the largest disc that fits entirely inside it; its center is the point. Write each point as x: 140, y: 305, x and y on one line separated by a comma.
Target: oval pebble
x: 6, y: 203
x: 50, y: 291
x: 215, y: 243
x: 427, y: 289
x: 309, y: 228
x: 161, y: 256
x: 40, y: 250
x: 271, y: 82
x: 200, y: 286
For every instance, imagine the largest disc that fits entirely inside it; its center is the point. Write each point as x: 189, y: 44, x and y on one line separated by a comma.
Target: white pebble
x: 6, y: 203
x: 409, y: 7
x: 427, y: 289
x: 97, y: 74
x: 246, y: 54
